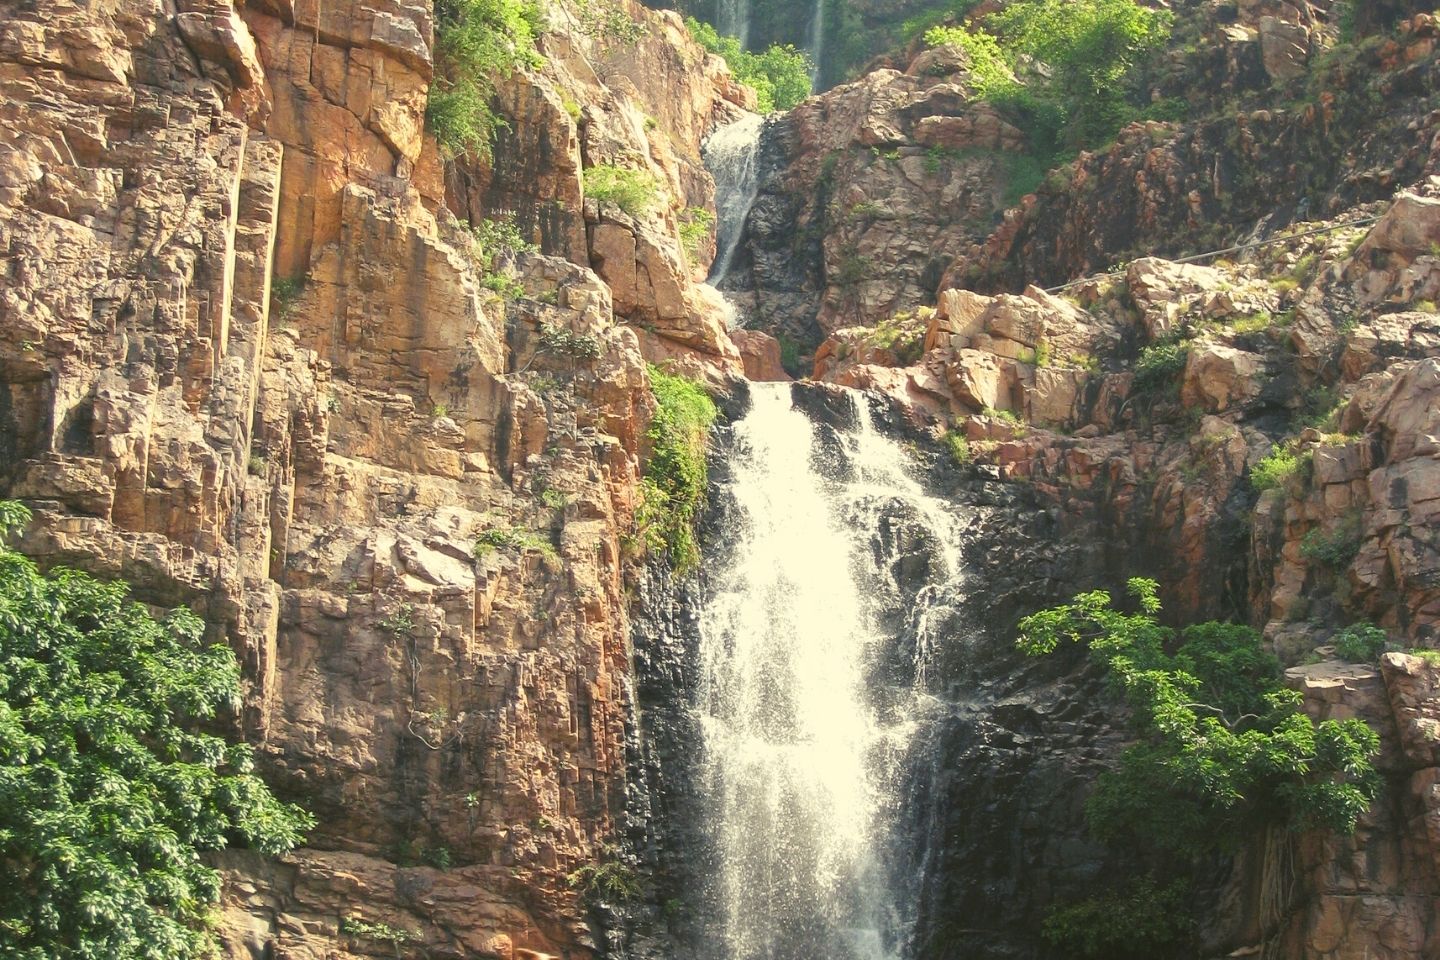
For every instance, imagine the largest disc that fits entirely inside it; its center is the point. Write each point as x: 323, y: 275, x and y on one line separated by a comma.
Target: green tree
x: 1078, y: 63
x: 477, y: 42
x: 1224, y: 748
x: 1092, y: 49
x: 779, y: 75
x: 109, y: 788
x: 1223, y: 756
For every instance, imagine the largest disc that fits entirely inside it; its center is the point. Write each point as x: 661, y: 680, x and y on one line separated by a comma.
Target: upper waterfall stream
x: 803, y: 743
x: 732, y: 155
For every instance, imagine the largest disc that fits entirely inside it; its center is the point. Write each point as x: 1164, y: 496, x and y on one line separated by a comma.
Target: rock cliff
x: 252, y: 362
x: 251, y: 366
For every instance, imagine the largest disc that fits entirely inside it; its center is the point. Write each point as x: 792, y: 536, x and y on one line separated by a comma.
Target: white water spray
x: 816, y: 44
x: 800, y: 764
x: 731, y: 155
x: 733, y: 20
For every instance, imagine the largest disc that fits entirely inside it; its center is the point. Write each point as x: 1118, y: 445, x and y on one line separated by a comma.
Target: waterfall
x: 804, y: 742
x: 731, y: 154
x: 815, y: 46
x: 733, y: 20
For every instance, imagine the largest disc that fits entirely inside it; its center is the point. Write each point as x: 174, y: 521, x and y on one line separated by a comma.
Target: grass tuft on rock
x: 676, y: 476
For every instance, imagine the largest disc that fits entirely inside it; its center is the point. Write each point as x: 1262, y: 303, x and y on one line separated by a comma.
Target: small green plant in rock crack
x: 362, y: 929
x: 401, y: 622
x: 494, y: 244
x: 554, y: 498
x: 676, y: 475
x: 959, y: 447
x: 637, y: 192
x: 1335, y: 548
x: 611, y: 880
x: 1279, y: 468
x: 695, y: 226
x: 558, y: 340
x: 1160, y: 363
x: 513, y: 538
x: 284, y: 292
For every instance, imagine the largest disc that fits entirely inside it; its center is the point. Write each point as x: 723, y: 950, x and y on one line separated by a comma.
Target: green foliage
x: 903, y: 334
x: 789, y: 353
x: 1224, y: 748
x: 612, y: 881
x: 695, y: 227
x: 780, y: 74
x: 1067, y: 71
x: 1160, y: 363
x: 991, y: 73
x: 959, y: 447
x: 921, y: 23
x: 1278, y: 468
x: 513, y: 538
x: 1360, y: 643
x: 284, y: 291
x: 109, y: 791
x: 1005, y: 416
x: 401, y: 623
x: 363, y: 929
x: 1334, y: 548
x: 477, y: 42
x: 494, y: 244
x: 1348, y: 13
x: 606, y: 20
x: 637, y: 192
x: 437, y: 857
x: 676, y: 476
x: 1024, y: 176
x: 1093, y: 49
x: 1431, y: 657
x: 1144, y: 921
x: 580, y: 346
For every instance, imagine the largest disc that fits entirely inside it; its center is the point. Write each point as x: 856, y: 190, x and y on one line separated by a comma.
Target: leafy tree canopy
x: 1224, y: 747
x: 780, y: 74
x: 1078, y: 60
x: 109, y: 790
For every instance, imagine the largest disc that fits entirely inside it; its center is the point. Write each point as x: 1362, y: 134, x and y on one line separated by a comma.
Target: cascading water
x: 815, y: 46
x: 733, y: 19
x: 803, y: 745
x: 731, y: 156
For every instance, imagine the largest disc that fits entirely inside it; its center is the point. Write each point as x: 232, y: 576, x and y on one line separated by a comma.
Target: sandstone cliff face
x: 1358, y: 125
x: 621, y: 86
x: 249, y: 366
x: 1322, y: 344
x: 864, y: 190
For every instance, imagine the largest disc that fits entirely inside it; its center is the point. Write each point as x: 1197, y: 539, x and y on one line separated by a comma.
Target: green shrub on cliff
x: 780, y: 74
x: 676, y: 476
x: 1277, y: 469
x: 1224, y: 747
x: 477, y: 42
x: 637, y: 192
x: 109, y: 787
x: 1078, y: 64
x: 1224, y: 754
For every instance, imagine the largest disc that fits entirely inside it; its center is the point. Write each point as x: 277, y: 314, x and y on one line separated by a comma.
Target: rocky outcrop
x: 1170, y: 189
x: 248, y: 364
x: 1374, y: 894
x: 625, y: 87
x: 863, y: 190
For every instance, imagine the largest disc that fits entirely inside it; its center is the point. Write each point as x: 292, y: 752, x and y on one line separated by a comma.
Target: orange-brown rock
x: 760, y: 353
x: 397, y: 497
